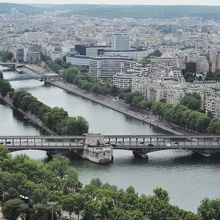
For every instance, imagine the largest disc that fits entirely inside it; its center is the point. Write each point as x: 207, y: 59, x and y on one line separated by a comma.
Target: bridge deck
x: 129, y: 142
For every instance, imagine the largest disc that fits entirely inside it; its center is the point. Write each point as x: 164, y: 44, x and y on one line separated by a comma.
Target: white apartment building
x: 123, y: 80
x: 168, y: 90
x: 173, y: 91
x: 212, y: 104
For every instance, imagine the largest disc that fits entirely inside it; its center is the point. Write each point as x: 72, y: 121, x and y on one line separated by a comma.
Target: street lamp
x: 27, y: 201
x: 52, y: 204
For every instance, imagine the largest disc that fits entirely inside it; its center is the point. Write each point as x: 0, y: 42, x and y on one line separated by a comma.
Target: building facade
x: 120, y: 41
x: 123, y: 80
x: 104, y: 67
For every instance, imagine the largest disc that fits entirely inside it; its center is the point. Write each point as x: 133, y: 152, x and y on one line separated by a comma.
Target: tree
x: 13, y: 208
x: 73, y: 202
x: 202, y: 122
x: 5, y: 87
x: 214, y: 126
x: 40, y: 211
x: 54, y: 117
x: 129, y: 97
x: 130, y: 190
x: 96, y: 182
x: 95, y: 89
x: 192, y: 101
x: 210, y: 76
x: 114, y: 90
x: 189, y: 77
x: 161, y: 194
x: 59, y: 166
x: 76, y: 126
x: 59, y: 62
x: 6, y: 56
x: 209, y: 209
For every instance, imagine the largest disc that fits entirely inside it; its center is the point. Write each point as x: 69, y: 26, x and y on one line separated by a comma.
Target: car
x: 114, y: 145
x: 150, y: 145
x: 141, y: 142
x: 8, y: 142
x: 168, y: 144
x: 176, y: 142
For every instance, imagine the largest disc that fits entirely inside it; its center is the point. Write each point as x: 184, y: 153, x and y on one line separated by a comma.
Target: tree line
x: 56, y: 119
x: 187, y: 114
x: 75, y: 76
x: 31, y: 189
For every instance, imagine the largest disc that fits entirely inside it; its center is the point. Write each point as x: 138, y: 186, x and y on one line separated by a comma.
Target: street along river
x: 188, y: 178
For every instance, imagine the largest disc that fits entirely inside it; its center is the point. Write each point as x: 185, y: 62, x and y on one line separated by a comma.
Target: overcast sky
x: 145, y: 2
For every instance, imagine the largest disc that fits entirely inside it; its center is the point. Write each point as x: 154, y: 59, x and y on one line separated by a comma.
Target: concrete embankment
x: 119, y: 107
x: 33, y: 118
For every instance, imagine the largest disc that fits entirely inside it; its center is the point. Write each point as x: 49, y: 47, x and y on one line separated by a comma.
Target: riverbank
x: 33, y: 118
x: 119, y: 106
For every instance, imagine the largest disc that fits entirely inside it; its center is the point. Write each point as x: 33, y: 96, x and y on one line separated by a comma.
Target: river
x: 187, y: 177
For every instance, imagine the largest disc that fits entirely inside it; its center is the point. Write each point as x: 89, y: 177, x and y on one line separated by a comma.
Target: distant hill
x: 143, y: 11
x: 23, y: 8
x: 119, y: 11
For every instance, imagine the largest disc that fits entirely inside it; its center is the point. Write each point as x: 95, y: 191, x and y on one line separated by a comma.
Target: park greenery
x: 31, y: 189
x: 6, y: 56
x: 56, y: 119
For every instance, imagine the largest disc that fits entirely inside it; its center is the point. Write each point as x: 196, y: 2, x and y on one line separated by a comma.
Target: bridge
x: 11, y: 65
x: 43, y: 77
x: 140, y: 144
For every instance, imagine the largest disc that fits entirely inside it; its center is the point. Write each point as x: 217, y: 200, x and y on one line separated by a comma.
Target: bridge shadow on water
x: 31, y: 86
x: 163, y: 159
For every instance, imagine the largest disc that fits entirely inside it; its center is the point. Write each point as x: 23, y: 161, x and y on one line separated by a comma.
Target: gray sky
x: 145, y: 2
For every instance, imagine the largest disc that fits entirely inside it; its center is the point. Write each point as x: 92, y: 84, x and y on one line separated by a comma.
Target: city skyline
x: 118, y: 2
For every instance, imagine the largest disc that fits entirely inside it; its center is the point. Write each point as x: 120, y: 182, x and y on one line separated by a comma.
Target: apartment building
x: 123, y: 80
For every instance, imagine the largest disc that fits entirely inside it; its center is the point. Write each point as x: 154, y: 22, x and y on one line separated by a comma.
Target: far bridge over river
x: 43, y: 77
x: 139, y: 144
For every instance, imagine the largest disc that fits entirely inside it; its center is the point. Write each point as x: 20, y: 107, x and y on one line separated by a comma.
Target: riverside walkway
x: 137, y: 143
